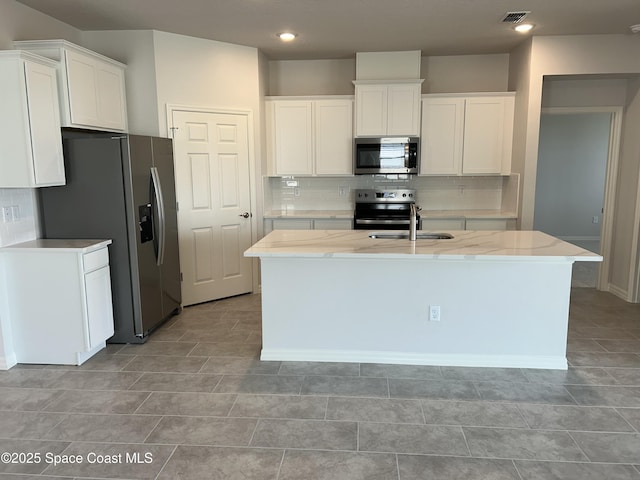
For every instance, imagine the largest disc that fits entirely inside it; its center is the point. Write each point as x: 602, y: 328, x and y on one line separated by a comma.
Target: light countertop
x: 75, y: 245
x: 467, y: 245
x: 348, y: 214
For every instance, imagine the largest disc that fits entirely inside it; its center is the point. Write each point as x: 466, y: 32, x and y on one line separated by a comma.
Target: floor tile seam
x: 157, y: 424
x: 625, y: 418
x: 397, y: 466
x: 326, y: 408
x: 284, y: 452
x: 142, y: 403
x: 555, y: 430
x: 235, y: 400
x: 253, y: 433
x: 166, y: 462
x: 515, y: 466
x: 575, y: 442
x: 466, y: 442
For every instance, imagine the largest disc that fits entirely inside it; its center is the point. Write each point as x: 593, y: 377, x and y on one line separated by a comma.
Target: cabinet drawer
x: 94, y: 260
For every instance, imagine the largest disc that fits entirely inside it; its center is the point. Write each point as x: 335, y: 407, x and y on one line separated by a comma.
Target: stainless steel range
x: 384, y: 209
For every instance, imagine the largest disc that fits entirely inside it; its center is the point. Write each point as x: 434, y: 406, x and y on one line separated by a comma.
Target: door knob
x: 245, y: 215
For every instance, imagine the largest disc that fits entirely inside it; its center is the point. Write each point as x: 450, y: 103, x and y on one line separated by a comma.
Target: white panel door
x: 211, y: 152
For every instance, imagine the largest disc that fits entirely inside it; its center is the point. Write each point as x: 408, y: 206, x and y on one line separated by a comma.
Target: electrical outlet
x: 434, y: 313
x: 343, y: 191
x: 461, y: 190
x: 595, y: 219
x: 296, y: 192
x: 7, y: 217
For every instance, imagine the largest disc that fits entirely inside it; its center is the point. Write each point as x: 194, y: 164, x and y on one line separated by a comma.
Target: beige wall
x: 312, y: 77
x: 465, y: 73
x: 135, y: 49
x: 19, y: 22
x: 446, y: 74
x: 585, y: 92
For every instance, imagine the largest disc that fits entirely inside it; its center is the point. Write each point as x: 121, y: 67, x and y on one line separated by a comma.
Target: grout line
x: 513, y: 462
x: 398, y: 466
x: 284, y: 451
x: 175, y: 447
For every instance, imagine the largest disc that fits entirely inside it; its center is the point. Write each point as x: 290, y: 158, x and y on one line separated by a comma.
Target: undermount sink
x: 405, y: 236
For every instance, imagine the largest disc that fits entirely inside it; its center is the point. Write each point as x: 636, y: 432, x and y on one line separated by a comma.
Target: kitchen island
x: 483, y: 298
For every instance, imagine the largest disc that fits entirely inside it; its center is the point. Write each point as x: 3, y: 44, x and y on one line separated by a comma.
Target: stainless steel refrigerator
x: 122, y: 187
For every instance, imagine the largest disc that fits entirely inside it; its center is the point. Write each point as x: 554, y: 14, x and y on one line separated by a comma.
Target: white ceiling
x: 339, y: 28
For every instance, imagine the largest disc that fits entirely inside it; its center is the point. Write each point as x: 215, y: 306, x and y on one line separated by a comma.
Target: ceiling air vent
x: 514, y: 17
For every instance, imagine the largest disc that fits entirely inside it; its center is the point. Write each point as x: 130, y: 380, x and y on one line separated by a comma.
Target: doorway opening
x: 575, y: 183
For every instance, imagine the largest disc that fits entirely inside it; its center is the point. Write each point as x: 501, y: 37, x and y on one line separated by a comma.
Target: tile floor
x: 195, y: 403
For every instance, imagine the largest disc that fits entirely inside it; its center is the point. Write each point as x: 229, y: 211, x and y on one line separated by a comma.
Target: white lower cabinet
x: 60, y: 303
x: 333, y: 224
x: 442, y: 224
x: 490, y: 224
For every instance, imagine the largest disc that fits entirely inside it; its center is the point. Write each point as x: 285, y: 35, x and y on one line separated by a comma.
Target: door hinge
x: 173, y: 131
x: 177, y: 206
x: 181, y: 277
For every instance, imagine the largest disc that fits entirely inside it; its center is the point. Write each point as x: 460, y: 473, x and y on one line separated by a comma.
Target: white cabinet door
x: 467, y: 135
x: 371, y: 110
x: 293, y: 142
x: 388, y: 109
x: 403, y: 109
x: 442, y: 133
x: 91, y: 86
x: 333, y: 134
x: 484, y: 135
x: 310, y: 136
x: 82, y: 89
x: 111, y: 96
x: 29, y: 122
x: 44, y: 120
x: 99, y: 306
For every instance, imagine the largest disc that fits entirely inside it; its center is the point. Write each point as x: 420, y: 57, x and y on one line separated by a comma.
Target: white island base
x: 359, y: 304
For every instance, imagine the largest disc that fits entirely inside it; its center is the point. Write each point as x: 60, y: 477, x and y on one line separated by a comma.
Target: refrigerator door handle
x: 157, y: 192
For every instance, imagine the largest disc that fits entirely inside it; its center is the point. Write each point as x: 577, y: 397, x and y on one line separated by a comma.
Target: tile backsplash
x: 433, y: 193
x: 22, y: 224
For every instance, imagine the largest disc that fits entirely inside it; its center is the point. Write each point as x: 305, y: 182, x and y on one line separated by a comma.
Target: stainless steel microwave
x: 386, y: 155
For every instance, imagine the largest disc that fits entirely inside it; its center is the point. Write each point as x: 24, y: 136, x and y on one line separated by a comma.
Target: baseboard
x: 399, y: 358
x: 619, y: 292
x: 7, y: 362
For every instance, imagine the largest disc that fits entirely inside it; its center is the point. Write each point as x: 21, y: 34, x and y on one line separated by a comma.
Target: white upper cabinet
x: 387, y: 108
x: 92, y: 89
x: 310, y: 136
x: 467, y: 134
x: 29, y: 122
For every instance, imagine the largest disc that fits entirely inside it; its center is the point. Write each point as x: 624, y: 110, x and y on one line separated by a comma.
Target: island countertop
x: 515, y: 245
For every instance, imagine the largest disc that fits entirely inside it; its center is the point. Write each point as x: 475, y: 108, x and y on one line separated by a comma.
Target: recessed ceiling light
x: 523, y: 27
x: 286, y: 36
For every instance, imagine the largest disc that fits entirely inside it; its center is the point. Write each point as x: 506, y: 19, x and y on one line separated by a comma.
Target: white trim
x: 400, y: 358
x: 574, y: 238
x: 7, y: 362
x: 618, y: 292
x: 253, y: 190
x: 606, y: 231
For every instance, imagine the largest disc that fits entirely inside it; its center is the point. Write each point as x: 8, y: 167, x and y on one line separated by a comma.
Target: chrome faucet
x: 413, y: 220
